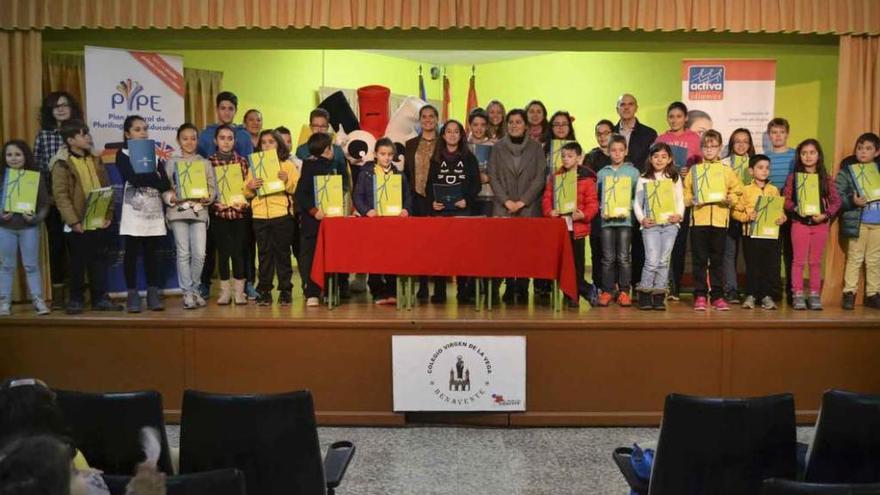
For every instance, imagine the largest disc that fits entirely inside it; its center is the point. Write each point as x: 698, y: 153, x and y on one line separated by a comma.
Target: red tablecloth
x: 477, y: 247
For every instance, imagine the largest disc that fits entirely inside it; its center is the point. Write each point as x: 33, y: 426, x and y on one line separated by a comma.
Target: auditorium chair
x: 218, y: 482
x: 846, y: 441
x: 723, y: 446
x: 272, y: 439
x: 788, y: 487
x: 107, y: 427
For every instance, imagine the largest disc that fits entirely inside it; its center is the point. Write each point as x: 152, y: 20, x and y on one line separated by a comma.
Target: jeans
x: 707, y: 252
x: 57, y: 249
x: 190, y: 237
x: 596, y: 251
x: 28, y: 239
x: 616, y: 263
x: 307, y: 246
x: 658, y: 241
x: 808, y: 245
x: 679, y: 251
x: 731, y: 253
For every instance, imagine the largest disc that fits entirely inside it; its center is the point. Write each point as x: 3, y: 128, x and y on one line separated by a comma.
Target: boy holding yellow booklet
x: 617, y: 186
x: 711, y: 189
x: 759, y: 210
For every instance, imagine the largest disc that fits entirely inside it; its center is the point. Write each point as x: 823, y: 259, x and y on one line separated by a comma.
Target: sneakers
x: 720, y: 304
x: 313, y: 302
x: 189, y: 301
x: 205, y: 291
x: 645, y: 301
x: 732, y: 297
x: 749, y: 302
x: 133, y: 302
x: 284, y: 298
x: 768, y: 303
x: 250, y: 291
x: 623, y: 299
x: 849, y: 300
x: 105, y: 304
x: 673, y: 296
x: 40, y: 305
x: 264, y: 299
x: 199, y: 300
x: 386, y: 301
x: 154, y: 299
x: 605, y: 299
x: 658, y: 301
x: 700, y: 303
x: 592, y: 294
x: 815, y: 302
x: 5, y: 307
x: 873, y: 301
x: 74, y: 307
x: 798, y: 302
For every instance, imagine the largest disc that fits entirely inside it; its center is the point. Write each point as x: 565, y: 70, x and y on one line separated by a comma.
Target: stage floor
x: 585, y: 366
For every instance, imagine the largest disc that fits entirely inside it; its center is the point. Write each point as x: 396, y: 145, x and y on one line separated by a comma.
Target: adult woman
x: 537, y: 121
x: 517, y: 170
x: 57, y: 108
x: 496, y: 112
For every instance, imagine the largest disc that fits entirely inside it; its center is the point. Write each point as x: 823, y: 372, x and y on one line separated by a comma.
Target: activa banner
x: 728, y: 94
x: 459, y: 373
x: 120, y: 83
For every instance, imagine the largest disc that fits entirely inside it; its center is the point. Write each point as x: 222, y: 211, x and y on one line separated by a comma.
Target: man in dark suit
x: 639, y: 138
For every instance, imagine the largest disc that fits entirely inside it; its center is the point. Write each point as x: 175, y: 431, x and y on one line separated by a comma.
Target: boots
x: 58, y: 296
x: 239, y: 294
x: 659, y: 300
x: 645, y: 302
x: 154, y: 299
x: 225, y: 296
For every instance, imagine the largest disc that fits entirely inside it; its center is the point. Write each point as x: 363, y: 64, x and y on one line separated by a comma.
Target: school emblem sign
x: 459, y: 373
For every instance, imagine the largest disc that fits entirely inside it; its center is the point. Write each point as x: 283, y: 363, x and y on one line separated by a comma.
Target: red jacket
x: 587, y: 200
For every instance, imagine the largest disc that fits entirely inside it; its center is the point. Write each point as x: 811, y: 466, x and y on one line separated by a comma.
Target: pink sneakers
x: 720, y: 304
x: 700, y: 303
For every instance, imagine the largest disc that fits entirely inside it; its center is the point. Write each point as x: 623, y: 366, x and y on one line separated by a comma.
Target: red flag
x: 445, y: 112
x: 472, y: 96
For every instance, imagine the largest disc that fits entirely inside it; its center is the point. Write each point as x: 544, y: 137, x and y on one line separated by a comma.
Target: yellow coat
x: 747, y: 202
x: 274, y: 205
x: 712, y: 214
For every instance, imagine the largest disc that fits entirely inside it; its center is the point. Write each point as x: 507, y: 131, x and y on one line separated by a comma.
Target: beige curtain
x: 754, y: 16
x: 20, y: 87
x: 201, y: 88
x: 65, y: 73
x: 858, y: 111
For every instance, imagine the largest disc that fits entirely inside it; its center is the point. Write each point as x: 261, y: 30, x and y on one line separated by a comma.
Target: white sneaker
x: 189, y: 301
x: 5, y: 307
x: 40, y: 305
x: 749, y: 302
x: 313, y: 302
x: 768, y: 303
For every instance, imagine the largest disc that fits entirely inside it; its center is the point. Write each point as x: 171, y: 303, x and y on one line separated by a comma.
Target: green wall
x: 283, y: 83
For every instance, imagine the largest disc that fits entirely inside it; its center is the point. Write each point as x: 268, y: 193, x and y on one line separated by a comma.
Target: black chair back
x: 273, y: 439
x: 723, y: 446
x: 846, y: 442
x: 219, y: 482
x: 107, y: 427
x: 788, y: 487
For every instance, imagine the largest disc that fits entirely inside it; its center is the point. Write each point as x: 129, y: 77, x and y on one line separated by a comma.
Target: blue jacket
x: 243, y: 145
x: 363, y: 191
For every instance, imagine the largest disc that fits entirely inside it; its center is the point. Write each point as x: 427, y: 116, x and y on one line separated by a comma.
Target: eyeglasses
x: 711, y: 146
x: 603, y: 133
x: 62, y: 105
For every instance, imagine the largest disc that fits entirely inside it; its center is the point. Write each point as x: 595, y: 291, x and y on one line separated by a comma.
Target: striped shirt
x: 781, y: 164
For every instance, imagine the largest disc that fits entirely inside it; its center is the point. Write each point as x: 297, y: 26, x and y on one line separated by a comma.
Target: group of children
x: 286, y: 222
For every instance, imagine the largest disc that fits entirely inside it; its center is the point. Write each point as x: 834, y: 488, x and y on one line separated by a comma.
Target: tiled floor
x: 484, y: 461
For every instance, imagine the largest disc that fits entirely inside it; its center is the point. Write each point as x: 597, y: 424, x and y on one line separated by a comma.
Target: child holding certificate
x: 192, y: 178
x: 318, y: 164
x: 857, y: 185
x: 711, y: 189
x: 617, y: 185
x: 811, y: 201
x: 740, y: 149
x: 25, y: 206
x: 228, y: 215
x: 142, y: 223
x: 78, y: 181
x: 760, y: 213
x: 273, y: 224
x: 578, y: 205
x: 659, y: 209
x: 372, y: 183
